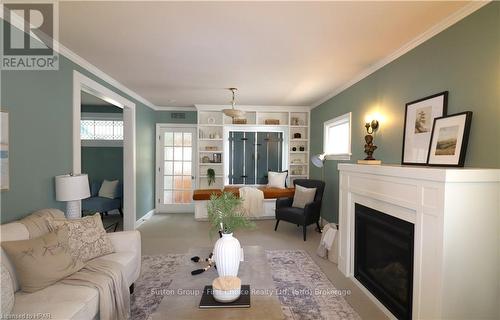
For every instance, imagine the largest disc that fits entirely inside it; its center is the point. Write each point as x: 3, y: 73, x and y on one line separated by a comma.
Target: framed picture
x: 449, y: 140
x: 419, y: 119
x: 4, y: 150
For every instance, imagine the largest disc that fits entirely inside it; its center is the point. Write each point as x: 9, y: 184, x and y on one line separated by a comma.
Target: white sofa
x: 66, y: 301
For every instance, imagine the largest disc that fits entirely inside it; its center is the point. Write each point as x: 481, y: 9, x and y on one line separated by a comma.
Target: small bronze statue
x: 369, y: 147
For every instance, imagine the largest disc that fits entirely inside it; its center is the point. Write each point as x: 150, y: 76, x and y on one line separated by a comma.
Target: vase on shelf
x: 227, y: 255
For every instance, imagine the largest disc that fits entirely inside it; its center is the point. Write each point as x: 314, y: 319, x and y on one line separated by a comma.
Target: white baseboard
x: 143, y: 219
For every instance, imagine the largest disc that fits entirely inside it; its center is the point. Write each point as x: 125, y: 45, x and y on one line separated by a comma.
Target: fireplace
x: 383, y: 258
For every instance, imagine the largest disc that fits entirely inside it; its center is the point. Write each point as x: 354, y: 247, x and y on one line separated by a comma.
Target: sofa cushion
x: 291, y: 214
x: 42, y: 261
x: 269, y: 192
x: 61, y: 301
x: 86, y: 237
x: 7, y: 290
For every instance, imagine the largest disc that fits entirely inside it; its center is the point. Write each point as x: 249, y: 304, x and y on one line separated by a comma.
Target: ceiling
x: 276, y: 53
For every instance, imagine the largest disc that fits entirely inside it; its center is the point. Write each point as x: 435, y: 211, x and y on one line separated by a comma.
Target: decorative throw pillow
x: 37, y: 222
x: 303, y: 196
x: 7, y: 288
x: 276, y: 179
x: 42, y: 261
x: 87, y: 238
x: 109, y: 189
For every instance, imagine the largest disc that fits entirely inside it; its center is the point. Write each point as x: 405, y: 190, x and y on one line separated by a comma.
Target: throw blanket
x: 253, y: 201
x: 327, y: 245
x: 108, y: 279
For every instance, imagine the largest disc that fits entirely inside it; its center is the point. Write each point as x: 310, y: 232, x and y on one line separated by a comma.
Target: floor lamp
x: 318, y: 160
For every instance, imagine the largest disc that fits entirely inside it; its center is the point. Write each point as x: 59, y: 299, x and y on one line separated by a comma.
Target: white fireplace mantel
x: 456, y: 217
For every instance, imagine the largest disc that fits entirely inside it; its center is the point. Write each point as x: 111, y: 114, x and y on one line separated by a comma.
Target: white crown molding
x: 18, y: 22
x: 102, y: 75
x: 437, y: 28
x: 178, y: 109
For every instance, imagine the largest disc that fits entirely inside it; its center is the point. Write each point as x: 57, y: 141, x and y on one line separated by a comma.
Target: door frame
x: 83, y: 83
x: 158, y: 176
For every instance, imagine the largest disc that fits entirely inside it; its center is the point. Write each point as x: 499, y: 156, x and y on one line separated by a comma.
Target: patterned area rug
x: 303, y: 289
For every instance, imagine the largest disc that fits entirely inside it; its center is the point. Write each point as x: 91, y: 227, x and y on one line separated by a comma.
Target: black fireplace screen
x: 383, y: 258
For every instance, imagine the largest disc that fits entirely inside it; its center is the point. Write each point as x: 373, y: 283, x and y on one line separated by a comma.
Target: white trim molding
x: 345, y: 118
x: 83, y: 83
x: 102, y: 143
x: 144, y: 218
x: 434, y: 30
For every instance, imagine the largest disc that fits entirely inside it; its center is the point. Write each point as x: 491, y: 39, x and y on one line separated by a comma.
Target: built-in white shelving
x: 211, y: 123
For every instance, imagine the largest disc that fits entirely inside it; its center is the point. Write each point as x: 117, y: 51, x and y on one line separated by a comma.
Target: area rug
x: 303, y: 289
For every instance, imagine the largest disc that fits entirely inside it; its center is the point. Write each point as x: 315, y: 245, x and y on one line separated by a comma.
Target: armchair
x: 100, y: 204
x: 301, y: 217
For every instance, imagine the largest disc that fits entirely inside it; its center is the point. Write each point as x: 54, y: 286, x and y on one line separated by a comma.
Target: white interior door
x: 176, y: 167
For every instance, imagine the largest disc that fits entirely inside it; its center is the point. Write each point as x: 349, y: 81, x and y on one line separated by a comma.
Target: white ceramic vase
x: 227, y: 255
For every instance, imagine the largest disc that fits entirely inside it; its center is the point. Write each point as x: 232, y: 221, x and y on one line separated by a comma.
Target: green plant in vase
x: 210, y: 176
x: 226, y: 215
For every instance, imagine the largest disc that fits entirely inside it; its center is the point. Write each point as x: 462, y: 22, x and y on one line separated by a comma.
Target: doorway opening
x: 88, y: 86
x: 102, y: 159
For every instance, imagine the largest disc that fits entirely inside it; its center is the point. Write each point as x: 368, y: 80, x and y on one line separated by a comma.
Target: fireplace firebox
x: 383, y: 258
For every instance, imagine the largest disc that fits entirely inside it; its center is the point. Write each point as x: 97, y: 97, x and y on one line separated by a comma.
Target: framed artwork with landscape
x: 419, y: 121
x: 449, y: 140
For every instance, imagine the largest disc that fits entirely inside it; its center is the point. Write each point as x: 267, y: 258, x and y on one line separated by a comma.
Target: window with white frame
x: 337, y: 137
x: 101, y: 129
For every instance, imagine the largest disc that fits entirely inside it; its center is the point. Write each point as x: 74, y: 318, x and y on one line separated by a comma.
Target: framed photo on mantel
x: 419, y: 121
x: 449, y: 140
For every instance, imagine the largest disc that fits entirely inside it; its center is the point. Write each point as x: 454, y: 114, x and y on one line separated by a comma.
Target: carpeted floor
x: 303, y: 289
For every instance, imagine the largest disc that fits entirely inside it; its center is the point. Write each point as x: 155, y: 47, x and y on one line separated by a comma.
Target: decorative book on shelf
x: 272, y: 121
x: 239, y: 121
x: 207, y: 300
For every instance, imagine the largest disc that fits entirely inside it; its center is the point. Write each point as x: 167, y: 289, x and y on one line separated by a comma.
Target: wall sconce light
x: 371, y: 126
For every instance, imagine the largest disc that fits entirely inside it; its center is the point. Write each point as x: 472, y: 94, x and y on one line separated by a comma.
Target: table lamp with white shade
x: 72, y: 188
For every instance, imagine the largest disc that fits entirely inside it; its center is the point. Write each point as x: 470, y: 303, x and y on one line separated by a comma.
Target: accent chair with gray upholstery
x: 101, y: 204
x: 301, y: 217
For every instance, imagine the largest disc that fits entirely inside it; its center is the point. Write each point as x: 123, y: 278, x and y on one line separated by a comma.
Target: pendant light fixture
x: 233, y: 113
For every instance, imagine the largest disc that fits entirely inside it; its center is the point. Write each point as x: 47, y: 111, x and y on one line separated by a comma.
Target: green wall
x: 100, y: 109
x: 463, y: 59
x: 40, y: 106
x: 166, y: 117
x: 103, y: 163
